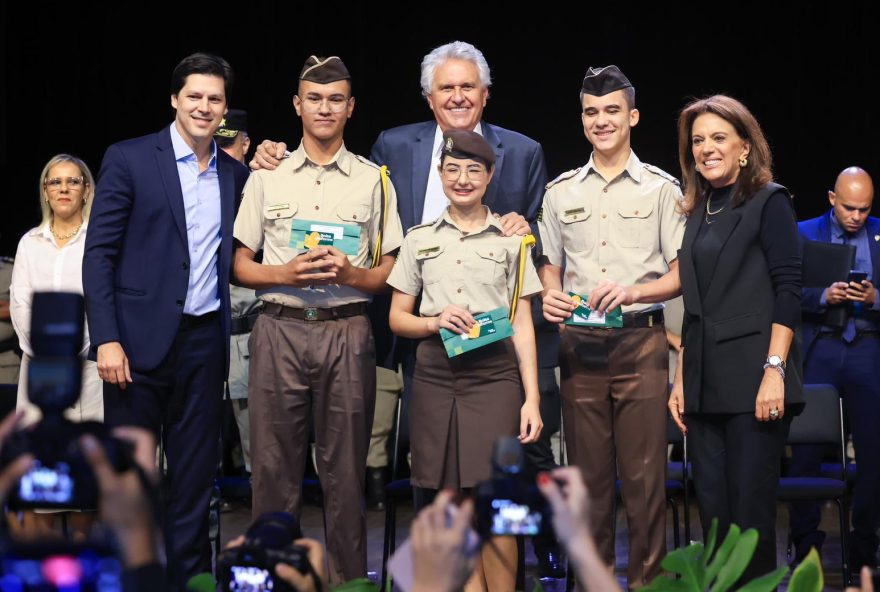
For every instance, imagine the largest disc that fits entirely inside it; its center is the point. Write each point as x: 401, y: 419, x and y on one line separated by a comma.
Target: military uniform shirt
x: 627, y: 229
x: 476, y: 270
x: 348, y: 190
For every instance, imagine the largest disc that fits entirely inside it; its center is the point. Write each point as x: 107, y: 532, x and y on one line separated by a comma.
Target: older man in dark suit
x: 155, y: 273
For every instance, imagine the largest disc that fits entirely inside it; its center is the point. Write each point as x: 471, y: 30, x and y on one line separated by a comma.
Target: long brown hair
x: 755, y: 175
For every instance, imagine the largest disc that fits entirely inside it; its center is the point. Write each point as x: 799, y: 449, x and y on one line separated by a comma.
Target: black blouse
x: 779, y: 241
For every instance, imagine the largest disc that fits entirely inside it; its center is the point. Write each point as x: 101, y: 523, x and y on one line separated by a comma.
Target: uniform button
x: 184, y: 265
x: 278, y: 215
x: 317, y: 207
x: 180, y: 303
x: 605, y: 190
x: 603, y: 243
x: 461, y: 240
x: 317, y: 182
x: 458, y: 261
x: 604, y: 215
x: 459, y: 290
x: 603, y: 270
x: 355, y: 216
x: 636, y: 212
x: 491, y: 254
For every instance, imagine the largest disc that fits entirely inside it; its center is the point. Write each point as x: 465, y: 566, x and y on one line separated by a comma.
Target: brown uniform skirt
x: 459, y: 407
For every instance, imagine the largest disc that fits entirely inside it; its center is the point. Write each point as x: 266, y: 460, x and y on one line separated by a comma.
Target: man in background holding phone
x: 847, y: 358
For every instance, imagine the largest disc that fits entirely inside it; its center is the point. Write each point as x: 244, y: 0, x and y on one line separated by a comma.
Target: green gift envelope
x: 308, y: 234
x: 584, y: 317
x: 491, y: 326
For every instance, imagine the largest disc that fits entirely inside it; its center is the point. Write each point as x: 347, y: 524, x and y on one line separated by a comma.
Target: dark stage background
x: 79, y: 76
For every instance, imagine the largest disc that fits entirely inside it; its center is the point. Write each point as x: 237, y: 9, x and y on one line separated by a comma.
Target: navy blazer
x: 819, y: 229
x: 517, y: 186
x: 136, y: 261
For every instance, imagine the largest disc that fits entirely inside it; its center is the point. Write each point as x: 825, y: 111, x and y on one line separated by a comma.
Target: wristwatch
x: 777, y: 363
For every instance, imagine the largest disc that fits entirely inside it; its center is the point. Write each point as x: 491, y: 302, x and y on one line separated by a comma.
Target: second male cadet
x: 848, y: 359
x: 614, y: 218
x: 312, y: 353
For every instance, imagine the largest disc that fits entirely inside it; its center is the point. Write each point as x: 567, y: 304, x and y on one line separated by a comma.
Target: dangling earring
x: 743, y: 161
x: 697, y: 167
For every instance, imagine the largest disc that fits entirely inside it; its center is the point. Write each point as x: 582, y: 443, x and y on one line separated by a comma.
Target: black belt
x: 188, y: 322
x: 315, y: 314
x: 245, y: 324
x: 634, y: 320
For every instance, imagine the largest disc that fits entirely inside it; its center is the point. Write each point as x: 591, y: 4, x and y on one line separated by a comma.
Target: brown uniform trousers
x: 614, y: 394
x: 321, y: 373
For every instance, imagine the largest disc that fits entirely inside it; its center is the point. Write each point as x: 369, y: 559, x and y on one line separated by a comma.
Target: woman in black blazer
x: 738, y: 379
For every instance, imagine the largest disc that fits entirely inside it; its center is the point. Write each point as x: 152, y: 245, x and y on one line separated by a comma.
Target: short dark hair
x: 202, y: 63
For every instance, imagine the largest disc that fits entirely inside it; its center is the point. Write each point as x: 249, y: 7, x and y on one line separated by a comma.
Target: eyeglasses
x: 73, y: 183
x: 473, y: 173
x: 336, y: 104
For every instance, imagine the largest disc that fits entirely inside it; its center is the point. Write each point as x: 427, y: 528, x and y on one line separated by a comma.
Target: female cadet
x: 463, y: 266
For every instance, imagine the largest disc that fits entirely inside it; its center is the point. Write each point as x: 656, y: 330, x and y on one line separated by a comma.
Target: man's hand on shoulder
x: 268, y: 155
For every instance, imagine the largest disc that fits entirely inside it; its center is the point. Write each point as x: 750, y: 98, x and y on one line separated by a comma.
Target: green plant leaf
x: 808, y: 576
x: 665, y: 584
x: 766, y: 583
x: 356, y: 585
x: 719, y: 559
x: 538, y: 586
x: 738, y: 560
x: 686, y: 562
x: 710, y: 542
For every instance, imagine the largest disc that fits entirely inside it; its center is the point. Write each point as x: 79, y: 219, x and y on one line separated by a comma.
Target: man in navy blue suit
x: 848, y: 359
x: 155, y: 273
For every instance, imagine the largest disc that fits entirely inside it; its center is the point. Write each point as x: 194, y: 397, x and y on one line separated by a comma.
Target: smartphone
x: 857, y: 276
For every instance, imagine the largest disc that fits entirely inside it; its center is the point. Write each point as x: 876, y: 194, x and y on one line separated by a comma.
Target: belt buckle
x: 650, y: 320
x: 311, y: 313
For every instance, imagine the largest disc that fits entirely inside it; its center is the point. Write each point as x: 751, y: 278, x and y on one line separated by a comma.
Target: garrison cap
x: 601, y: 81
x: 324, y: 70
x: 466, y: 144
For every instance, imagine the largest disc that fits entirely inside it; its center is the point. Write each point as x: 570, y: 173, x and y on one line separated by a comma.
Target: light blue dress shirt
x: 201, y: 204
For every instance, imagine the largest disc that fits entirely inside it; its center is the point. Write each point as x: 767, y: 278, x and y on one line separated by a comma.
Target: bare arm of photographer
x: 565, y: 490
x: 440, y: 560
x: 125, y: 505
x: 867, y: 583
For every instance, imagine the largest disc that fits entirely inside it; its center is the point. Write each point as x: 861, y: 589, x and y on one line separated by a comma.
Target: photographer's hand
x: 306, y: 582
x: 13, y: 472
x: 113, y: 364
x: 440, y: 561
x: 125, y: 505
x: 565, y: 490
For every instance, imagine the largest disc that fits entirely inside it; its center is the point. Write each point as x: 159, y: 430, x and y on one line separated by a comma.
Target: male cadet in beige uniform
x: 312, y: 352
x: 615, y: 218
